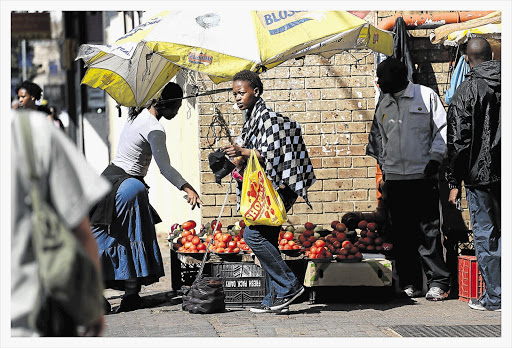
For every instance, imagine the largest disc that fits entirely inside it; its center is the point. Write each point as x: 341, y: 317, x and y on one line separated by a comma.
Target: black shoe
x: 285, y: 301
x: 106, y: 306
x: 130, y: 303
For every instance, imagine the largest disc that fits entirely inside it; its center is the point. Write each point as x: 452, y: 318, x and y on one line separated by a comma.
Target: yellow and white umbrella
x: 219, y: 43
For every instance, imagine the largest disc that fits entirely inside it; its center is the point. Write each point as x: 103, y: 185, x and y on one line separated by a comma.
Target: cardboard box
x: 368, y: 272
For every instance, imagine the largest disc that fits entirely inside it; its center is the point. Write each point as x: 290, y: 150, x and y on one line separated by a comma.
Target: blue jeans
x: 485, y: 210
x: 281, y: 282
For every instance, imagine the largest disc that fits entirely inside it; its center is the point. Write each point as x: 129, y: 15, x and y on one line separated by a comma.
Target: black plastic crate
x: 183, y: 273
x: 243, y: 282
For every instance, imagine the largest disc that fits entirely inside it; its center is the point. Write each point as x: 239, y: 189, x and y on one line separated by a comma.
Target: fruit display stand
x: 184, y: 268
x: 373, y: 272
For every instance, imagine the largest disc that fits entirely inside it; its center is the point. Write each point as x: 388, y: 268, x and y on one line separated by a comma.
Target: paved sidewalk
x: 397, y: 317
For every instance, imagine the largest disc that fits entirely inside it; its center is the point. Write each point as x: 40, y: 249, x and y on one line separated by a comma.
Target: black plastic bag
x: 220, y: 165
x: 206, y: 295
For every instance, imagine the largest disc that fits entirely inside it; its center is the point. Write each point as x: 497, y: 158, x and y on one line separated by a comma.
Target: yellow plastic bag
x: 260, y: 203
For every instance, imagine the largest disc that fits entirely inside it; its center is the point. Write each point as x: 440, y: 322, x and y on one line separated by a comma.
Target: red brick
x: 352, y: 173
x: 336, y: 93
x: 320, y: 128
x: 321, y: 105
x: 331, y: 173
x: 351, y: 104
x: 309, y: 94
x: 320, y: 82
x: 336, y: 116
x: 353, y: 195
x: 365, y: 206
x: 339, y: 184
x: 333, y: 70
x: 336, y: 162
x: 307, y: 71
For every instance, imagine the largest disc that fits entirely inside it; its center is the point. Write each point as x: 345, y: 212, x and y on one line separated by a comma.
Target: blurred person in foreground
x: 70, y: 186
x: 474, y: 156
x: 279, y: 146
x: 124, y: 222
x: 412, y: 125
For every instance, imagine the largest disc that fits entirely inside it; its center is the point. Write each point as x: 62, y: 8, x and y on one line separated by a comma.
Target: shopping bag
x: 260, y: 203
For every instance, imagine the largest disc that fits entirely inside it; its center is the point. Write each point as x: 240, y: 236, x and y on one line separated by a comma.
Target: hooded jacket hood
x: 489, y: 71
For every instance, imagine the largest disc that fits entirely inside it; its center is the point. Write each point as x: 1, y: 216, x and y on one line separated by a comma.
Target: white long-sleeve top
x: 413, y: 129
x: 142, y: 139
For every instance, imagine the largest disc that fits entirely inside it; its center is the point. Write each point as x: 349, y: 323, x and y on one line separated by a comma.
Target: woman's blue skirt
x: 129, y: 249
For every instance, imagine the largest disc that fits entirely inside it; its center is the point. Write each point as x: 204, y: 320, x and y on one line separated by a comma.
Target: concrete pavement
x: 397, y: 317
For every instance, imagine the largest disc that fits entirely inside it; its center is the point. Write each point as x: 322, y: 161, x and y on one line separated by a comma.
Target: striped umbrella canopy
x: 219, y: 43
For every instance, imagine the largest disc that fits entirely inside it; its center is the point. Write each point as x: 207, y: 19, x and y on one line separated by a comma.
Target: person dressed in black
x: 474, y: 156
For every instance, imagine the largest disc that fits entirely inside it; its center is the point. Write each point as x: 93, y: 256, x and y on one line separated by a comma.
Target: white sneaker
x: 411, y: 291
x: 475, y: 304
x: 261, y: 308
x: 436, y: 294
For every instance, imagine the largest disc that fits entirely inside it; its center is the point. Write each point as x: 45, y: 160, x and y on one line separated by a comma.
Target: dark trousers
x: 485, y: 210
x: 415, y: 231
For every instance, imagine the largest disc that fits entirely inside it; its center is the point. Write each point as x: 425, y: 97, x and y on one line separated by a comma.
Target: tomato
x: 319, y: 243
x: 236, y: 250
x: 287, y: 247
x: 188, y: 225
x: 283, y: 241
x: 237, y: 237
x: 187, y: 245
x: 346, y: 245
x: 209, y: 238
x: 214, y: 223
x: 185, y: 233
x: 218, y: 236
x: 288, y: 236
x: 232, y: 244
x: 220, y: 250
x: 313, y: 250
x: 189, y: 238
x: 220, y: 245
x: 192, y: 248
x: 195, y: 240
x: 226, y: 237
x: 291, y: 243
x: 192, y: 232
x: 201, y: 246
x: 295, y: 247
x: 181, y: 249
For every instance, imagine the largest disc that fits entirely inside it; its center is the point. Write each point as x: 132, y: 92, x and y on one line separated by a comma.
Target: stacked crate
x: 471, y: 284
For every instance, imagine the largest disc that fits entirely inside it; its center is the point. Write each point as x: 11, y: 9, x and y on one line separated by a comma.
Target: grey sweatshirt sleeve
x: 156, y: 140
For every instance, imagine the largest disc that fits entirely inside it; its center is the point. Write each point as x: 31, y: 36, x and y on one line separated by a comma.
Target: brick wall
x: 334, y: 101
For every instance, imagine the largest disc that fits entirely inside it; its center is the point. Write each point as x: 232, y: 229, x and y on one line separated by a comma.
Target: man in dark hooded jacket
x: 474, y: 154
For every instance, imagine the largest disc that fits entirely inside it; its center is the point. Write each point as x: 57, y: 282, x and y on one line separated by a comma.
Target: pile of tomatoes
x: 318, y: 250
x: 221, y: 242
x: 189, y: 241
x: 286, y: 242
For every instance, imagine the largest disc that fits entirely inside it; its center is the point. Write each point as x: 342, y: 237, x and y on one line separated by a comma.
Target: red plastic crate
x: 471, y: 284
